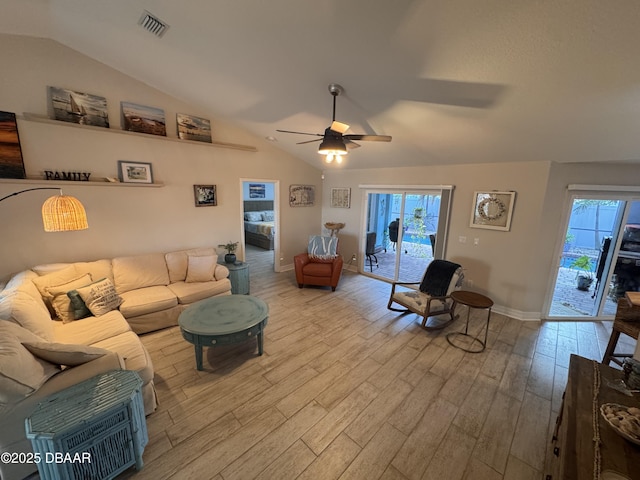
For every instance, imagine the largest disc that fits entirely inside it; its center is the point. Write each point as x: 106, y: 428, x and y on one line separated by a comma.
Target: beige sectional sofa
x: 44, y: 348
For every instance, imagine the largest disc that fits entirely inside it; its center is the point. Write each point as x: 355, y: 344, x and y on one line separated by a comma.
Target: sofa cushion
x: 97, y: 269
x: 57, y: 296
x: 147, y: 300
x: 100, y: 297
x: 56, y: 277
x: 64, y: 353
x: 130, y: 348
x: 91, y: 329
x: 221, y: 272
x: 21, y: 308
x: 192, y: 292
x: 21, y: 373
x: 177, y: 261
x: 317, y: 269
x: 200, y: 269
x: 131, y: 273
x: 23, y: 281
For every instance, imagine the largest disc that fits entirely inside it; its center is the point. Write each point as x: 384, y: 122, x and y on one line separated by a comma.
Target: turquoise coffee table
x: 223, y: 320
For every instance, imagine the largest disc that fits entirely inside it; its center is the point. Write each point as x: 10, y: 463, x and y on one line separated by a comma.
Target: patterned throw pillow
x: 267, y: 216
x: 100, y: 297
x: 253, y: 216
x: 323, y: 248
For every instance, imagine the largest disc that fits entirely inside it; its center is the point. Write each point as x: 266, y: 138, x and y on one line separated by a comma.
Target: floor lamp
x: 60, y: 213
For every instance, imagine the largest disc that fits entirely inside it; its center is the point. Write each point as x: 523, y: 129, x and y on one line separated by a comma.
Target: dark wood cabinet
x: 572, y: 453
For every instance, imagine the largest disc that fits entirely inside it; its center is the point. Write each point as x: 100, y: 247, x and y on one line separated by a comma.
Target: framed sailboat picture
x: 78, y: 107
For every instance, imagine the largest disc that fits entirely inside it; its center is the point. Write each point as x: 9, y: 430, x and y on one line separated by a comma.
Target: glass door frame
x: 446, y: 196
x: 595, y: 192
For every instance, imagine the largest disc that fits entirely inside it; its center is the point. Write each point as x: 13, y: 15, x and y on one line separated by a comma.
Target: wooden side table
x: 627, y: 321
x: 95, y: 429
x: 471, y: 300
x: 239, y: 277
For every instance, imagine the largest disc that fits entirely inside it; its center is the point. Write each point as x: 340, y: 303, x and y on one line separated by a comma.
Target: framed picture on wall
x: 143, y: 119
x: 257, y: 190
x: 492, y: 210
x: 193, y: 128
x: 134, y: 172
x: 302, y: 195
x: 205, y: 195
x: 340, y: 198
x: 11, y: 163
x: 78, y: 107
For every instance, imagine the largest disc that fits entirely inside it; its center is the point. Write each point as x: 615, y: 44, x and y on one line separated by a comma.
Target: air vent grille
x: 153, y: 24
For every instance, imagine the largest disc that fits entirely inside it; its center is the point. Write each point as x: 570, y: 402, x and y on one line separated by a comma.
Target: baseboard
x: 517, y: 314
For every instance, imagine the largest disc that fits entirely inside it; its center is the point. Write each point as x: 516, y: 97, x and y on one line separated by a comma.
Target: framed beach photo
x: 205, y: 195
x: 340, y: 198
x: 134, y: 172
x: 193, y: 128
x: 492, y: 210
x: 78, y: 107
x: 143, y: 119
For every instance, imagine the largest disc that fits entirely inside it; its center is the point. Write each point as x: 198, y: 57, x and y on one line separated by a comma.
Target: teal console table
x: 93, y: 430
x: 223, y: 320
x: 239, y: 277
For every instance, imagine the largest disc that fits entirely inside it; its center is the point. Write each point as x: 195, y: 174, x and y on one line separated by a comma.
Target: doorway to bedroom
x: 259, y: 216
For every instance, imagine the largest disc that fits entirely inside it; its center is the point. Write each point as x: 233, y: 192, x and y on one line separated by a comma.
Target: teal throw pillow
x: 78, y: 306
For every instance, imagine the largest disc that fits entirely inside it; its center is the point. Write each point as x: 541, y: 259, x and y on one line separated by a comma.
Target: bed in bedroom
x: 259, y: 228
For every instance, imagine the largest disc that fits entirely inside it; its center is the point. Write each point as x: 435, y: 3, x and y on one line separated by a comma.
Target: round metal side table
x: 471, y: 300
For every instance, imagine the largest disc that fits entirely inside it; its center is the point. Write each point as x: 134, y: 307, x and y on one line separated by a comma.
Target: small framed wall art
x: 492, y: 210
x: 205, y: 195
x: 134, y: 172
x: 340, y: 198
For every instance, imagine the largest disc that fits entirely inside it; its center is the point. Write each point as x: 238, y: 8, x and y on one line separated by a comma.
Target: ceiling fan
x: 334, y: 142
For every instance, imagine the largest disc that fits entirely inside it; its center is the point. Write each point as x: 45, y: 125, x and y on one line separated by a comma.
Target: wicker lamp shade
x: 62, y: 213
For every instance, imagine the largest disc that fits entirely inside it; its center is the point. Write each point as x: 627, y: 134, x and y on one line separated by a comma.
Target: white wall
x: 126, y: 220
x: 514, y: 268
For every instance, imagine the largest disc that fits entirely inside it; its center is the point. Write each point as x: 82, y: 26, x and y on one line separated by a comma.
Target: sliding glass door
x: 600, y: 260
x: 406, y: 230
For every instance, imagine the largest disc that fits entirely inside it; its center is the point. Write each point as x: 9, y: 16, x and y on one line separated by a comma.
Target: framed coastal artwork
x: 77, y: 107
x: 302, y: 195
x: 193, y: 128
x: 11, y: 162
x: 205, y: 195
x: 135, y: 172
x: 143, y: 119
x: 257, y: 190
x: 492, y: 210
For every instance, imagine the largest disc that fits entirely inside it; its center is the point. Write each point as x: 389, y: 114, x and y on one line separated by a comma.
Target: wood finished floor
x: 347, y: 389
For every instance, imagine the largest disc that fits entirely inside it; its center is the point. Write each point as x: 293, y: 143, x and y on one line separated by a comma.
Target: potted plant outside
x: 230, y: 247
x: 584, y: 277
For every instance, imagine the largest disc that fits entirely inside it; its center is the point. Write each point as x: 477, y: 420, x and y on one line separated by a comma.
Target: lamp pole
x: 30, y: 190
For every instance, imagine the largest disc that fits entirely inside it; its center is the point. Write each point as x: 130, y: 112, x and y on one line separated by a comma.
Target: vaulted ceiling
x: 452, y: 81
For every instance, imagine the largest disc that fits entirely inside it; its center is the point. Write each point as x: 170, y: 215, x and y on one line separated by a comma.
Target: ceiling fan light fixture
x: 333, y: 147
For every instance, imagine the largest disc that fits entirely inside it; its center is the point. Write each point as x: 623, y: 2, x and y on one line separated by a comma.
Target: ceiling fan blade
x: 339, y: 127
x: 301, y: 133
x: 369, y: 138
x: 309, y: 141
x: 351, y: 145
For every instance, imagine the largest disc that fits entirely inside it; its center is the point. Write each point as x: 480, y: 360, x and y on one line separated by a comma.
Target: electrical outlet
x: 353, y: 258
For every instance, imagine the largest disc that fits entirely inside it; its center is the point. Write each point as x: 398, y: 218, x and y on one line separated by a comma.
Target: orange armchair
x: 319, y: 269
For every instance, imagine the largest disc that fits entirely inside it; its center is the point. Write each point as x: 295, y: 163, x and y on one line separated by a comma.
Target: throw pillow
x: 59, y: 299
x: 323, y: 248
x: 21, y: 373
x: 267, y: 216
x: 253, y: 216
x: 100, y: 297
x: 201, y: 269
x: 78, y: 307
x: 63, y: 353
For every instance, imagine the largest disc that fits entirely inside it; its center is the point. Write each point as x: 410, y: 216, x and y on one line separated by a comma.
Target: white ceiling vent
x: 153, y: 24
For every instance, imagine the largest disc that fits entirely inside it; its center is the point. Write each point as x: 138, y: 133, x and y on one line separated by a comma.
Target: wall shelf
x: 34, y: 117
x: 62, y: 183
